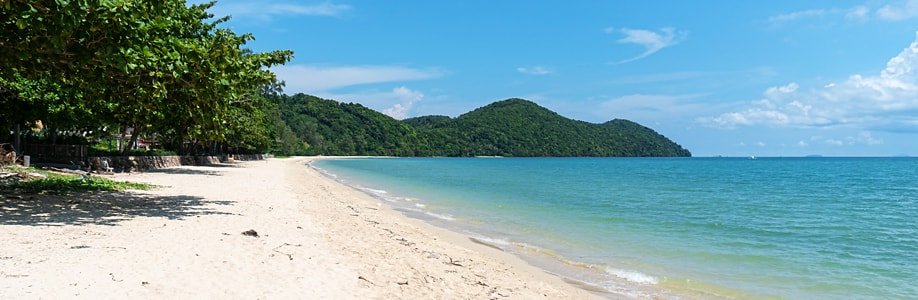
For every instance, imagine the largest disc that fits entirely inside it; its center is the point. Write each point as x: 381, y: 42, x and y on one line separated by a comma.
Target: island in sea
x: 512, y: 128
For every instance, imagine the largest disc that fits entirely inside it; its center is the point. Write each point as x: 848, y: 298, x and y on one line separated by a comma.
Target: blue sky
x: 765, y: 78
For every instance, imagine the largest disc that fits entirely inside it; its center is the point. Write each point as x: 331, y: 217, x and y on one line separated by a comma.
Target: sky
x: 734, y: 78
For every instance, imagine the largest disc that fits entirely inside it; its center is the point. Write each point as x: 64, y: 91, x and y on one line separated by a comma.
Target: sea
x: 674, y: 228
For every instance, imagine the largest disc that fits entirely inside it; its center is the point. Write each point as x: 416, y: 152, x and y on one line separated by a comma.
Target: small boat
x: 752, y: 157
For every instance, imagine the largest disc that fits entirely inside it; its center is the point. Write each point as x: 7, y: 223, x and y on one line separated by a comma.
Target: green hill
x: 513, y: 127
x: 517, y: 127
x: 333, y: 128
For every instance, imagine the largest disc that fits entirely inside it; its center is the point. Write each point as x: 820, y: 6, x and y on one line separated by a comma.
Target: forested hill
x: 517, y: 127
x: 513, y: 127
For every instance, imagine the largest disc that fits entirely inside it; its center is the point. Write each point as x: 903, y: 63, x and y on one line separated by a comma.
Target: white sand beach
x: 317, y: 239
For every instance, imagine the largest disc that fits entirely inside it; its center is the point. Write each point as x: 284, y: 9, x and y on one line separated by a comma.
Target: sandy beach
x: 316, y: 239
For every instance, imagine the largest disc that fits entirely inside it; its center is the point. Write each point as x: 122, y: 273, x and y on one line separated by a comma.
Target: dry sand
x: 317, y: 239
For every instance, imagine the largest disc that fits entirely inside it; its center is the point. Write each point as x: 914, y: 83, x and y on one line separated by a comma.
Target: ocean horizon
x: 813, y: 227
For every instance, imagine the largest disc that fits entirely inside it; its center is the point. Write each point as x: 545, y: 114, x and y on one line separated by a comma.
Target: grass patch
x: 14, y: 168
x: 75, y: 183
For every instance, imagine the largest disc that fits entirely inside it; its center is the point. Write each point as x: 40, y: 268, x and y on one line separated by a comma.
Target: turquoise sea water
x: 797, y: 228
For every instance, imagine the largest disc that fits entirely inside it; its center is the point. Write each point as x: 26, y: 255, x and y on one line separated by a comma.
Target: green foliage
x: 517, y: 127
x: 332, y: 128
x: 57, y: 183
x: 106, y: 149
x: 429, y: 121
x: 157, y: 66
x: 512, y: 127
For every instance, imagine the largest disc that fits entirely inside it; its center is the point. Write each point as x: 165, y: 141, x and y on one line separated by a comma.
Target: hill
x: 332, y: 128
x: 517, y: 127
x: 513, y: 127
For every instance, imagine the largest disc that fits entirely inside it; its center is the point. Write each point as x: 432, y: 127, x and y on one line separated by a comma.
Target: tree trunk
x: 53, y: 132
x: 120, y: 145
x: 130, y: 145
x: 17, y: 142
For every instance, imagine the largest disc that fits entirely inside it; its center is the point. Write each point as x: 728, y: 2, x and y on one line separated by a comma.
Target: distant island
x: 511, y: 128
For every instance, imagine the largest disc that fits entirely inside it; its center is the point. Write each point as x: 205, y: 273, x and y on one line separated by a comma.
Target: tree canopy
x: 156, y: 66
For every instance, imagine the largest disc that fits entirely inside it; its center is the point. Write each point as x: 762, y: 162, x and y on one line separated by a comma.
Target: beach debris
x: 144, y: 283
x: 13, y: 275
x: 250, y: 232
x: 113, y: 278
x: 79, y: 247
x: 276, y: 249
x: 402, y: 282
x: 404, y: 242
x: 356, y: 212
x: 432, y: 254
x: 365, y: 279
x: 497, y: 294
x: 453, y: 262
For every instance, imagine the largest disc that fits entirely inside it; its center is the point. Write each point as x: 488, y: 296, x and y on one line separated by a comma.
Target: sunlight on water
x: 735, y: 228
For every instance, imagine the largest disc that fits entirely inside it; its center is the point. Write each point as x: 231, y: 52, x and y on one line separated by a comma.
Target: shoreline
x: 316, y: 238
x: 517, y: 265
x: 581, y: 275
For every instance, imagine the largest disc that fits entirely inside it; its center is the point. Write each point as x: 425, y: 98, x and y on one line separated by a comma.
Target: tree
x: 158, y: 66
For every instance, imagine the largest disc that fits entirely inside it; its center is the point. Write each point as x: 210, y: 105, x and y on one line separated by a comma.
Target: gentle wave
x: 633, y: 276
x: 440, y: 216
x: 374, y: 191
x: 500, y: 243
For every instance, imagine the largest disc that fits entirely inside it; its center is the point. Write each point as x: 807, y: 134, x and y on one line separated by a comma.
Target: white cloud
x: 534, y: 70
x: 313, y: 79
x: 864, y: 137
x: 858, y: 13
x: 397, y: 103
x: 834, y: 142
x: 408, y: 98
x: 652, y: 41
x: 887, y: 101
x: 266, y: 10
x: 900, y: 11
x: 760, y: 144
x: 793, y: 16
x: 802, y: 144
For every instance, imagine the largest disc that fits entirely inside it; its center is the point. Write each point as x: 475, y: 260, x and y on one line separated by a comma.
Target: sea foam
x: 440, y: 216
x: 374, y: 191
x: 632, y: 276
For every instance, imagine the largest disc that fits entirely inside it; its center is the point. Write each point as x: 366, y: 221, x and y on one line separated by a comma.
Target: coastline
x: 594, y: 278
x: 474, y: 269
x: 317, y: 238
